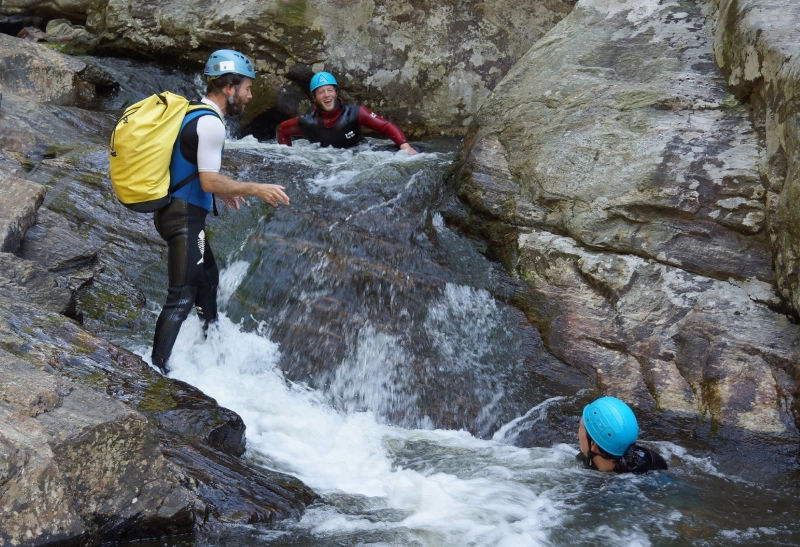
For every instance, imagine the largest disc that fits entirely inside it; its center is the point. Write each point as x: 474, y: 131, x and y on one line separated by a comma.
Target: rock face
x: 427, y: 66
x: 38, y: 73
x: 29, y: 281
x: 113, y: 449
x: 19, y: 200
x: 612, y: 170
x: 756, y: 45
x: 76, y: 465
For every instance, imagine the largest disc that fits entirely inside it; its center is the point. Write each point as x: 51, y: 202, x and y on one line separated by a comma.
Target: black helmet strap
x: 232, y: 110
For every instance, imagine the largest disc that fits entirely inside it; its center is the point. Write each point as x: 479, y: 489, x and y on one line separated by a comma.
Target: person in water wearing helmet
x: 335, y: 124
x: 607, y: 435
x: 193, y: 273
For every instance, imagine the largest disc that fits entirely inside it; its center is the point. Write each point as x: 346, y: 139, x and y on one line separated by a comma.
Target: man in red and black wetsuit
x: 334, y: 124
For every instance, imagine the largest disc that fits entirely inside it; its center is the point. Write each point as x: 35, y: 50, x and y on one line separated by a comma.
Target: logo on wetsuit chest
x: 349, y: 135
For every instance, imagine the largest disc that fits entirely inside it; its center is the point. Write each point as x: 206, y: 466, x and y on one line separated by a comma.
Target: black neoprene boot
x: 160, y: 364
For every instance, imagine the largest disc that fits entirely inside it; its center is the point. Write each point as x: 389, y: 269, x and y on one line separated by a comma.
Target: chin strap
x: 589, y: 461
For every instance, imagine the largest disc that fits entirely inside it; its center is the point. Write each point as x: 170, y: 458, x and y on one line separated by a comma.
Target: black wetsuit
x: 345, y: 134
x: 637, y: 459
x: 193, y: 272
x: 340, y: 128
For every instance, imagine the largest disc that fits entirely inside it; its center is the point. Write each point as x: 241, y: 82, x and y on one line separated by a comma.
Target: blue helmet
x: 228, y: 61
x: 611, y: 424
x: 322, y: 78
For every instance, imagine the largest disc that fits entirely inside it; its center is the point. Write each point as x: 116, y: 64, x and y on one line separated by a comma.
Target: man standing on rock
x: 335, y: 124
x: 193, y: 273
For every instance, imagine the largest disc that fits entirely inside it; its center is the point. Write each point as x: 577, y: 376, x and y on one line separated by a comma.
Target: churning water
x: 370, y: 352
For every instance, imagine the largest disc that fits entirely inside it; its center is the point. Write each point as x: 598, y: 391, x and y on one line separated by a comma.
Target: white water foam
x: 351, y: 453
x: 512, y: 429
x: 336, y: 170
x: 406, y: 486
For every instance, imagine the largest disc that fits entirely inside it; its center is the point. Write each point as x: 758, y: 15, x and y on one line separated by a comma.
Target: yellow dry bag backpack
x: 141, y: 150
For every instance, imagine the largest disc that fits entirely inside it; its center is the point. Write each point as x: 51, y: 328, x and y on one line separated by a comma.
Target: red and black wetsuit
x: 340, y: 128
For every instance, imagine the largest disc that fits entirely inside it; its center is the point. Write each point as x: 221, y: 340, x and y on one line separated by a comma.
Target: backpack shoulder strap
x: 195, y: 109
x: 195, y: 106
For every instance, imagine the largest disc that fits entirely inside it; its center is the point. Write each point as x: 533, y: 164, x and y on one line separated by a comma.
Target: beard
x: 235, y: 107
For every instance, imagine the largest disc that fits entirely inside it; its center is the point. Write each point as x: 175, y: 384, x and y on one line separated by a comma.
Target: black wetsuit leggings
x: 193, y: 274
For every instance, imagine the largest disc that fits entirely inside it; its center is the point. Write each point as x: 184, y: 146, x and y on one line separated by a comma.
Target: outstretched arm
x: 229, y: 190
x: 287, y: 130
x: 370, y: 120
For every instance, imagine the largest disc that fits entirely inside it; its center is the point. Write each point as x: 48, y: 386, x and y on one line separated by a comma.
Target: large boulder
x: 77, y: 464
x: 94, y: 445
x: 101, y: 447
x: 614, y: 172
x: 74, y: 10
x: 40, y: 74
x: 756, y: 45
x: 19, y: 200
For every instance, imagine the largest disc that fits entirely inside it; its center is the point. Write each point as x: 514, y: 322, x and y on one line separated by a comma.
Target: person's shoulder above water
x: 640, y: 459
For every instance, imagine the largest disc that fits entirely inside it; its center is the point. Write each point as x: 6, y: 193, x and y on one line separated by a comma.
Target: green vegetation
x: 68, y: 48
x: 709, y: 390
x: 96, y: 380
x: 101, y: 302
x: 158, y: 396
x: 46, y: 321
x: 291, y: 13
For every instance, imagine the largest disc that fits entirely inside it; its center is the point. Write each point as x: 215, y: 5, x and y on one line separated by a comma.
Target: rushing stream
x: 373, y: 353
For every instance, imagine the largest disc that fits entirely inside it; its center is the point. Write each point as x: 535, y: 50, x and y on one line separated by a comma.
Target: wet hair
x: 216, y: 85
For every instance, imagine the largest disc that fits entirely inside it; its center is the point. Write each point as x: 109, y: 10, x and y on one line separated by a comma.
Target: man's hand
x: 233, y: 203
x: 408, y: 148
x: 273, y: 194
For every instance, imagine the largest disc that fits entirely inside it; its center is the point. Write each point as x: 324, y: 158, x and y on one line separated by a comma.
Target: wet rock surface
x: 31, y: 282
x: 45, y: 76
x: 187, y: 474
x: 79, y: 465
x: 755, y: 43
x: 19, y: 200
x: 614, y: 173
x: 615, y: 170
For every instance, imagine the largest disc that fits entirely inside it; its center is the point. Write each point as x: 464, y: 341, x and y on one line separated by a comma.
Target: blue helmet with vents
x: 228, y: 61
x: 611, y: 424
x: 322, y: 78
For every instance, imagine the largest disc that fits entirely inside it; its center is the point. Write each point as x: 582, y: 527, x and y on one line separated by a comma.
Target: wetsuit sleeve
x: 370, y: 120
x: 287, y: 130
x: 210, y: 140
